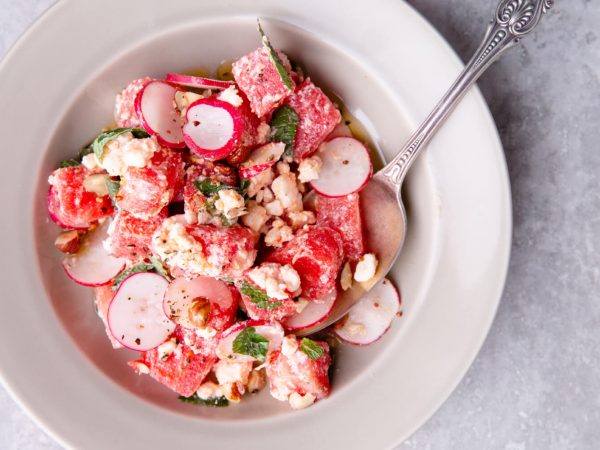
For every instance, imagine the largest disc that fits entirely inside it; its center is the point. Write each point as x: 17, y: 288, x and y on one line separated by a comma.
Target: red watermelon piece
x: 343, y: 215
x: 69, y: 204
x: 131, y: 237
x: 258, y: 78
x: 296, y: 372
x: 317, y: 254
x: 317, y: 115
x: 145, y: 191
x: 125, y: 114
x: 103, y: 295
x: 186, y: 367
x: 285, y: 310
x: 256, y: 132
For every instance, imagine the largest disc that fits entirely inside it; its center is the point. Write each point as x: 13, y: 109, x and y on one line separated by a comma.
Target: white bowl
x: 389, y: 66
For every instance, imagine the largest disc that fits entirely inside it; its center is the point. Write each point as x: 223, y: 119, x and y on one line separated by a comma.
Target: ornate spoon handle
x: 513, y: 20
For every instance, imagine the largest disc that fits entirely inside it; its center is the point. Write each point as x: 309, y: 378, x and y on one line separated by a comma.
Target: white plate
x: 57, y: 87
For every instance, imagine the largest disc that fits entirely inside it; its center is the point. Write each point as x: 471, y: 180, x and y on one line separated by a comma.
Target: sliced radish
x: 346, y: 167
x: 135, y: 316
x: 182, y: 293
x: 272, y: 331
x: 261, y: 159
x: 371, y: 317
x: 213, y: 128
x: 155, y: 106
x: 92, y: 265
x: 55, y: 213
x: 312, y: 314
x: 197, y: 82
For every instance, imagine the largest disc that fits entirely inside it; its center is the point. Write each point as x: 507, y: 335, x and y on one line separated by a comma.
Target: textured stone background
x: 536, y: 383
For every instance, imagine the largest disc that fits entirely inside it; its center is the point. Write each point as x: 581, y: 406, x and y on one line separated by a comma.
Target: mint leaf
x: 244, y: 185
x: 69, y: 163
x: 258, y: 296
x: 283, y: 73
x: 284, y: 123
x: 311, y: 348
x: 104, y: 138
x: 215, y: 402
x: 208, y: 187
x: 248, y: 342
x: 159, y: 268
x: 113, y: 188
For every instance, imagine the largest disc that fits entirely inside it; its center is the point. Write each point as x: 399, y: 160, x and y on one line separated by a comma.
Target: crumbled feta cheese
x: 274, y: 208
x: 125, y: 151
x: 140, y: 367
x: 366, y: 267
x: 263, y: 179
x: 279, y: 282
x: 166, y: 348
x: 265, y: 195
x: 309, y: 169
x: 282, y: 168
x: 256, y: 217
x: 289, y: 345
x: 90, y: 161
x: 278, y: 234
x: 209, y: 390
x: 96, y: 184
x: 298, y: 401
x: 286, y: 191
x: 206, y: 332
x: 298, y: 219
x: 183, y: 99
x: 262, y: 133
x: 232, y: 372
x: 346, y: 277
x: 230, y: 203
x: 231, y: 96
x: 301, y: 304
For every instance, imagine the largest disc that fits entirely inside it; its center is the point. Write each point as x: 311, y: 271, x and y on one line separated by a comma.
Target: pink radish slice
x: 213, y: 128
x: 182, y: 292
x: 197, y: 82
x: 54, y: 213
x: 371, y: 317
x: 312, y: 314
x: 135, y: 316
x: 272, y: 331
x: 155, y: 106
x: 261, y: 159
x: 346, y: 167
x: 92, y: 265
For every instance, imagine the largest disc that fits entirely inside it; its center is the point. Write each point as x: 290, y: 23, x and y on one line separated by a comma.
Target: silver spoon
x: 384, y: 218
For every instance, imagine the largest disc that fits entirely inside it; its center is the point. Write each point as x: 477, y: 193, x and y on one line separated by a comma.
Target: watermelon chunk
x: 125, y: 114
x: 130, y: 237
x: 343, y: 215
x: 103, y: 295
x: 256, y: 132
x: 317, y: 115
x: 290, y: 370
x: 317, y: 254
x: 258, y: 78
x: 69, y: 204
x: 186, y: 367
x: 145, y: 191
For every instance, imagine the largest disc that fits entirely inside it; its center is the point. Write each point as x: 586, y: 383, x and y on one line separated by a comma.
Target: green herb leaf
x: 215, y: 402
x: 113, y: 187
x: 283, y: 73
x: 208, y: 187
x: 159, y: 268
x: 244, y: 185
x: 311, y: 348
x: 104, y: 138
x: 85, y: 151
x: 248, y: 342
x: 69, y: 163
x: 130, y: 271
x: 283, y: 128
x: 258, y: 296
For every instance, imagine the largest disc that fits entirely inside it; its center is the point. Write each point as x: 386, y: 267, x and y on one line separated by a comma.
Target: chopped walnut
x: 278, y: 234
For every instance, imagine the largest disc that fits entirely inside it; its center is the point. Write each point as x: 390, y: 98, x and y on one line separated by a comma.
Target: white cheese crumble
x: 231, y: 96
x: 262, y: 133
x: 256, y: 217
x: 90, y: 161
x: 232, y: 372
x: 298, y: 219
x: 125, y: 151
x: 282, y: 168
x: 346, y: 277
x: 365, y: 268
x: 289, y: 345
x: 286, y: 191
x: 166, y: 348
x: 96, y: 184
x: 279, y: 282
x: 263, y: 179
x: 230, y: 203
x: 209, y: 390
x: 309, y: 169
x: 298, y: 401
x: 278, y: 234
x: 183, y: 99
x: 274, y: 208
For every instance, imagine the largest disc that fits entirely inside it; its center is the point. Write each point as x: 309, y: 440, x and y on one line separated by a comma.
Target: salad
x: 218, y: 218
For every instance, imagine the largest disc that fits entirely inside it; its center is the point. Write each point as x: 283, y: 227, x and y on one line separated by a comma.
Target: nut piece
x: 67, y: 241
x: 346, y: 277
x: 257, y: 380
x: 199, y: 312
x: 96, y: 184
x: 365, y: 268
